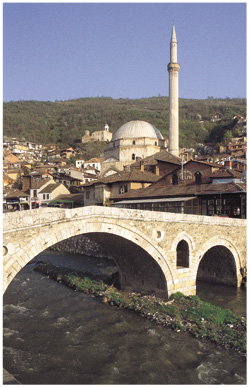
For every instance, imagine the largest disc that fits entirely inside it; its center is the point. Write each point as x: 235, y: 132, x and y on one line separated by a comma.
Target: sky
x: 62, y: 51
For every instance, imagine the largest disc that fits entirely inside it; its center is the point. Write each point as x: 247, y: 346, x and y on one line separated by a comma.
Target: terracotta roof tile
x: 39, y: 184
x: 50, y: 188
x: 16, y: 194
x: 226, y: 173
x: 182, y: 190
x: 162, y: 156
x: 124, y: 176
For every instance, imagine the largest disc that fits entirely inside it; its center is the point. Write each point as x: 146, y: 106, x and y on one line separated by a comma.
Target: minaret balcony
x: 173, y: 67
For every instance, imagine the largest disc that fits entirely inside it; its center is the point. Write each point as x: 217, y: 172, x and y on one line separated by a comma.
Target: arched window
x: 133, y: 141
x: 175, y: 179
x: 182, y: 253
x: 156, y: 143
x: 197, y: 177
x: 133, y: 156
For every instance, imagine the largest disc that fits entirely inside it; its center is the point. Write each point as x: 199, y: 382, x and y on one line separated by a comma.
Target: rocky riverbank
x: 181, y: 313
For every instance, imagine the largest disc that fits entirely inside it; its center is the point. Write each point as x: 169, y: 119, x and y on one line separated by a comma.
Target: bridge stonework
x: 144, y: 244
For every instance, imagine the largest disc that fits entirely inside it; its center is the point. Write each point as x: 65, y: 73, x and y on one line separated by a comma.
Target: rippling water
x: 53, y: 335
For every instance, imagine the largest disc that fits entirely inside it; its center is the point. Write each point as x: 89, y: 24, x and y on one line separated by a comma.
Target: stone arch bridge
x: 155, y: 252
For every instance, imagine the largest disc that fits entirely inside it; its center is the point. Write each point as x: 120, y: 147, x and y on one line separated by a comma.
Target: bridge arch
x: 93, y: 227
x: 229, y: 259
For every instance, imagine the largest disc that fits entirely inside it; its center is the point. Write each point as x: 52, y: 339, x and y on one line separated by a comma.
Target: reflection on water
x: 223, y: 296
x: 53, y: 335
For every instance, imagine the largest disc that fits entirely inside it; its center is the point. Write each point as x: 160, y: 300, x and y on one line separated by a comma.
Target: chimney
x: 228, y: 163
x: 141, y: 165
x: 157, y: 170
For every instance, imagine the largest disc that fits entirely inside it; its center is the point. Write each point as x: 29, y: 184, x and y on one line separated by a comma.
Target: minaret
x: 173, y: 69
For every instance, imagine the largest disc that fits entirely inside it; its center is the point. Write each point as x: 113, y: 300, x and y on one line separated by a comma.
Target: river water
x: 53, y: 335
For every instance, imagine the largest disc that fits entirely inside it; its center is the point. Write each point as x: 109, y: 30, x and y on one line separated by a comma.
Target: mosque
x: 139, y: 139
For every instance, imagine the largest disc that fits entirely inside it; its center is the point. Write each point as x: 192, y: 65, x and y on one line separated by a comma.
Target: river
x: 53, y: 335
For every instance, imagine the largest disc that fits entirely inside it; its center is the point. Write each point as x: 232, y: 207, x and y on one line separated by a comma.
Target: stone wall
x: 155, y: 236
x: 82, y: 245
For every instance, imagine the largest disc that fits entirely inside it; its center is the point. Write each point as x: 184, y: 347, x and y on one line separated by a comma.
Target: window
x: 123, y: 189
x: 197, y: 177
x: 133, y: 141
x: 156, y: 143
x: 210, y: 207
x: 182, y: 252
x: 43, y: 196
x: 192, y: 206
x: 175, y: 180
x: 133, y: 156
x: 47, y: 196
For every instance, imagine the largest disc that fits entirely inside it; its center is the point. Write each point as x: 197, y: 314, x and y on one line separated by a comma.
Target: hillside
x: 64, y: 122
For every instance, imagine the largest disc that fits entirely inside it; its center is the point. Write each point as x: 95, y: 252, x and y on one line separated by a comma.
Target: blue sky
x: 60, y: 51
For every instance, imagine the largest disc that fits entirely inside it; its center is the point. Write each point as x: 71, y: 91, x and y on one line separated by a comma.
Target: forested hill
x: 64, y: 122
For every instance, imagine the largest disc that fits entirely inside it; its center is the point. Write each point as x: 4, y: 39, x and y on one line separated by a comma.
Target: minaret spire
x: 173, y: 37
x: 173, y: 69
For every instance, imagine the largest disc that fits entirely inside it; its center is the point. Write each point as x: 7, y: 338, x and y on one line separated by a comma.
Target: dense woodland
x: 64, y: 122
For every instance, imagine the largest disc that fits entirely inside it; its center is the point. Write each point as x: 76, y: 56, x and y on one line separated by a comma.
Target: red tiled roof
x: 16, y: 194
x: 39, y: 184
x: 226, y: 173
x: 50, y: 188
x: 131, y: 176
x: 182, y: 190
x: 162, y: 156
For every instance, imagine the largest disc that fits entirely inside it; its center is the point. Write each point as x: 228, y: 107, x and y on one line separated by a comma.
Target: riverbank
x: 182, y: 313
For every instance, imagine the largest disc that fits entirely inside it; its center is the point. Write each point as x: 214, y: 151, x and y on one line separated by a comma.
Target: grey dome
x: 137, y: 128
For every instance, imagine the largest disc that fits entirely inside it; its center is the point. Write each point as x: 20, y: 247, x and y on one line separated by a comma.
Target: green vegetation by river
x: 181, y: 313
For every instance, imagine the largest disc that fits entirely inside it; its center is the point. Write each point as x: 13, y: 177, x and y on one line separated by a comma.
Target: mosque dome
x: 135, y: 129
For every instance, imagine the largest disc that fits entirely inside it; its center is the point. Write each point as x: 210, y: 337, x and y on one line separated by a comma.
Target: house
x: 12, y: 161
x: 225, y: 175
x: 72, y: 183
x: 103, y: 135
x: 50, y: 192
x: 34, y: 190
x: 95, y: 163
x: 31, y: 180
x: 58, y: 162
x: 20, y: 149
x: 239, y: 164
x: 160, y: 163
x: 91, y: 172
x: 7, y: 180
x: 17, y: 200
x: 67, y: 153
x: 237, y: 147
x: 193, y: 171
x: 79, y: 163
x: 100, y: 191
x: 186, y: 154
x: 26, y: 164
x: 210, y: 199
x: 14, y: 173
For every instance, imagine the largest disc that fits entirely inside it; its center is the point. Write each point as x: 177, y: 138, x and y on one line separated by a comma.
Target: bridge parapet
x: 23, y: 219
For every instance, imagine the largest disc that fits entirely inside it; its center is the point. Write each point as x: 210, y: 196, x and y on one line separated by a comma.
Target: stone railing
x: 24, y: 219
